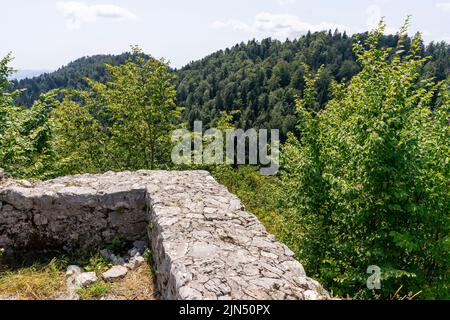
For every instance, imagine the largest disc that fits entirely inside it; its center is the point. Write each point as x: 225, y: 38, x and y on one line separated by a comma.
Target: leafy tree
x: 367, y: 177
x: 225, y: 120
x: 24, y: 134
x: 124, y: 124
x: 79, y: 140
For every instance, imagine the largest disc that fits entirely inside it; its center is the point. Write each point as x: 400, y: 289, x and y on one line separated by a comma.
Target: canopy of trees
x: 261, y: 79
x: 122, y: 124
x: 24, y: 133
x: 72, y: 76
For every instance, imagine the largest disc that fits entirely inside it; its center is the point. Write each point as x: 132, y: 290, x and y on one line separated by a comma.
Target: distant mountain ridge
x: 28, y: 74
x: 70, y: 76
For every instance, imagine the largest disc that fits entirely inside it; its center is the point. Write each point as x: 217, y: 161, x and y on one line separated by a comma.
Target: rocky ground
x: 119, y: 277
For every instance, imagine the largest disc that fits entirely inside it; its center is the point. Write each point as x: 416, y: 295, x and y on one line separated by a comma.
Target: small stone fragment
x: 133, y: 252
x: 3, y: 175
x: 269, y: 255
x: 140, y: 260
x: 140, y: 245
x: 106, y: 254
x: 86, y: 278
x: 186, y: 293
x: 73, y: 270
x: 115, y: 273
x: 135, y: 262
x: 310, y: 295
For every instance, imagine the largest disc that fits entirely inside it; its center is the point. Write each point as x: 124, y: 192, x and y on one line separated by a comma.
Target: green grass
x: 259, y: 194
x: 94, y: 291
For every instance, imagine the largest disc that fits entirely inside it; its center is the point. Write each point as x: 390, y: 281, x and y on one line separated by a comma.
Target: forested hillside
x: 72, y: 76
x: 261, y: 79
x: 264, y: 79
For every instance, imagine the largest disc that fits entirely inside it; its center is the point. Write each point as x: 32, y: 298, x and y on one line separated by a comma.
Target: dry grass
x: 137, y: 285
x: 410, y: 296
x: 32, y: 283
x: 48, y: 282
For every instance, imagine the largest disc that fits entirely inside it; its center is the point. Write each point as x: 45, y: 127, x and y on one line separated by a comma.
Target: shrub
x: 367, y: 178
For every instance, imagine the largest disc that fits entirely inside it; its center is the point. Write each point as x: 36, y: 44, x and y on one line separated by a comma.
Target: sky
x: 47, y: 34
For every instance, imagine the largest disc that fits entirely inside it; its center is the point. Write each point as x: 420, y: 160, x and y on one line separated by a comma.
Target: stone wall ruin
x: 204, y: 244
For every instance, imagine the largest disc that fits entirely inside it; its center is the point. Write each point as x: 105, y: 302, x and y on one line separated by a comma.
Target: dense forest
x: 260, y: 79
x: 71, y: 76
x: 364, y: 163
x: 263, y: 80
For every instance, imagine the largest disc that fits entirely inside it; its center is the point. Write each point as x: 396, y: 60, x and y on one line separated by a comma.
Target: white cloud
x: 444, y: 6
x: 77, y: 13
x: 285, y: 2
x: 279, y: 26
x: 374, y: 16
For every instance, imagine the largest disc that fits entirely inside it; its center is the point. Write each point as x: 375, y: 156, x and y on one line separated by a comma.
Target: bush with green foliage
x: 368, y: 178
x: 125, y: 124
x: 24, y: 133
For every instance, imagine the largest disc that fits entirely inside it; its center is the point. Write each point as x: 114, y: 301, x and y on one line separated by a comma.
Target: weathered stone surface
x: 205, y: 246
x: 76, y: 280
x: 115, y: 273
x: 86, y: 278
x: 3, y: 175
x: 135, y: 262
x: 73, y: 270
